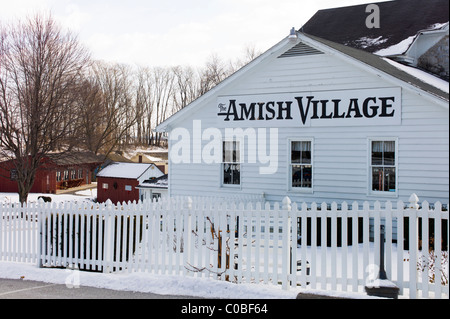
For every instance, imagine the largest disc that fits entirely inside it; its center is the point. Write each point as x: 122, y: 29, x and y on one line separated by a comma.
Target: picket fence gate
x: 327, y: 247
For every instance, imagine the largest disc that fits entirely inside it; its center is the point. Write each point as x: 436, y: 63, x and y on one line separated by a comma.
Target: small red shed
x: 118, y: 181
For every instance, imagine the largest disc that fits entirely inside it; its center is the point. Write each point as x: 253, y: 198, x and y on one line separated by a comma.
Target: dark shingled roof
x: 398, y: 21
x: 75, y: 158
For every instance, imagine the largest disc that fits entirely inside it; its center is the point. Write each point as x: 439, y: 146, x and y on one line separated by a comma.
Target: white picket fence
x: 251, y: 243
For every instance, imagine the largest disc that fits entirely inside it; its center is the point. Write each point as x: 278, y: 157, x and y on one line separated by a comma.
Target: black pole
x: 384, y: 289
x: 382, y: 274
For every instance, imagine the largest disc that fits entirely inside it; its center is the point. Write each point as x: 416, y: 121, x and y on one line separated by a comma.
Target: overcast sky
x: 177, y: 32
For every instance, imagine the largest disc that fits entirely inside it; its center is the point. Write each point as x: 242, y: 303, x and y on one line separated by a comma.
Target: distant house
x: 115, y: 157
x: 154, y: 188
x: 58, y: 171
x: 112, y: 158
x: 119, y: 181
x: 160, y: 160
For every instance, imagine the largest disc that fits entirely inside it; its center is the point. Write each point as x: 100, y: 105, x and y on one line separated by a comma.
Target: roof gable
x: 283, y: 44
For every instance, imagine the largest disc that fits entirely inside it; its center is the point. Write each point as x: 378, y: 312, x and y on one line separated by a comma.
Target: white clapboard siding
x: 341, y: 154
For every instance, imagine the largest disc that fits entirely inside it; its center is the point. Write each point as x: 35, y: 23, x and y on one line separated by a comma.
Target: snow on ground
x: 80, y: 196
x: 145, y: 283
x: 160, y: 284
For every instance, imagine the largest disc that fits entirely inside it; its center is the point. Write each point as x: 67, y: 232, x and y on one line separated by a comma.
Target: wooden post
x: 413, y: 244
x: 109, y: 238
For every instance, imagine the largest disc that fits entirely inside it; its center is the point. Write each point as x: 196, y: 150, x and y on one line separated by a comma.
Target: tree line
x: 54, y: 98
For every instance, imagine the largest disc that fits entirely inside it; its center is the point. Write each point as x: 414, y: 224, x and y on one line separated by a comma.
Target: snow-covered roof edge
x: 125, y: 170
x: 405, y: 45
x: 382, y: 68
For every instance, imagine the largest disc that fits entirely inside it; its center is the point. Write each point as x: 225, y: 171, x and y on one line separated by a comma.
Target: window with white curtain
x: 231, y: 167
x: 301, y: 165
x: 383, y: 166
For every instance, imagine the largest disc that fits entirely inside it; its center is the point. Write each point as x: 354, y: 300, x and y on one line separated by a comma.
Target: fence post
x: 39, y: 231
x: 413, y: 244
x: 287, y: 204
x: 109, y: 237
x: 287, y: 250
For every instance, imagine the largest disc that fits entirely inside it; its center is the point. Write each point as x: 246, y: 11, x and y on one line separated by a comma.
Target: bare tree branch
x: 40, y: 71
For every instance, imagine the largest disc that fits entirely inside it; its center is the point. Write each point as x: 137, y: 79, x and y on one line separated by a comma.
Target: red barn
x: 119, y: 181
x: 58, y: 171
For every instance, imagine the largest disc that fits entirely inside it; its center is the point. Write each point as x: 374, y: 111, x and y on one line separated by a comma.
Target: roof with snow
x: 125, y: 170
x: 159, y: 182
x: 400, y: 21
x: 412, y: 76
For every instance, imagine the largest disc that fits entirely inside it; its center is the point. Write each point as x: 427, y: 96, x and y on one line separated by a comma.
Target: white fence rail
x: 319, y: 247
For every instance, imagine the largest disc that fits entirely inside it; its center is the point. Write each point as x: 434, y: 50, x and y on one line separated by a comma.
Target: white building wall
x: 340, y: 154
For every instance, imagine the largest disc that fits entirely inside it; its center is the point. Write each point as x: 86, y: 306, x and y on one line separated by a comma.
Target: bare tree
x: 186, y: 87
x: 163, y: 86
x: 40, y: 71
x: 214, y: 72
x: 250, y: 53
x: 144, y: 104
x: 107, y: 107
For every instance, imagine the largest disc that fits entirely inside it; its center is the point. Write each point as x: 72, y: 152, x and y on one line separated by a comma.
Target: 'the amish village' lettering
x: 320, y: 109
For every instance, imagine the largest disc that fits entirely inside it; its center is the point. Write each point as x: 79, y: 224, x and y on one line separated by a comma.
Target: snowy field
x: 83, y: 195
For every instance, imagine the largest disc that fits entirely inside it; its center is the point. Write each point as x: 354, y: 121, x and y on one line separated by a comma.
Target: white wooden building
x: 153, y: 188
x: 316, y: 121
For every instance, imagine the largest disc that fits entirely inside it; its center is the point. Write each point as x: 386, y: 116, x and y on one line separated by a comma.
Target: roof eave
x: 439, y: 98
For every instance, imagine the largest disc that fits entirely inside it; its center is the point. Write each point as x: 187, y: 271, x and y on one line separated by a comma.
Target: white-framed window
x: 72, y: 174
x: 80, y: 174
x: 66, y: 175
x: 231, y: 163
x: 58, y: 176
x: 128, y: 188
x: 105, y: 186
x: 383, y: 166
x: 301, y: 164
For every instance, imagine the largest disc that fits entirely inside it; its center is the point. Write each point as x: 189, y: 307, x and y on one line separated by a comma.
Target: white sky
x: 177, y: 32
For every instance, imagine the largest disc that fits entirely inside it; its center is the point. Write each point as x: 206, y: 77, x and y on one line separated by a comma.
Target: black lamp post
x: 382, y: 274
x: 382, y: 287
